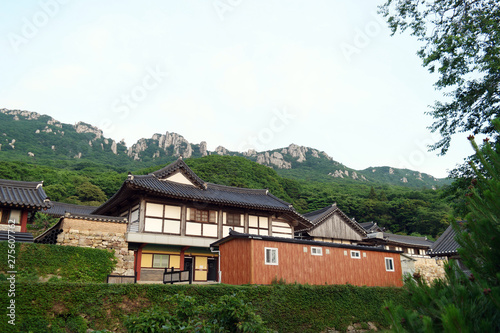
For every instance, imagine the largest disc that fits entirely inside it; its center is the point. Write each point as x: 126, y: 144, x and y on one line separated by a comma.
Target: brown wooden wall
x: 235, y: 262
x: 295, y: 265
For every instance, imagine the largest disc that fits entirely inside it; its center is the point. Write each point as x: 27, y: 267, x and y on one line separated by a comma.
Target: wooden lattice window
x: 205, y: 216
x: 233, y: 219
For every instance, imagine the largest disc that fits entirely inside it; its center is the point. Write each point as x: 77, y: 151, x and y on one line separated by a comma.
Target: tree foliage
x: 462, y: 44
x: 463, y: 302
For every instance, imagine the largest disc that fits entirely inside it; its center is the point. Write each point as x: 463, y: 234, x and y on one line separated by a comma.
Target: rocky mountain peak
x: 81, y: 127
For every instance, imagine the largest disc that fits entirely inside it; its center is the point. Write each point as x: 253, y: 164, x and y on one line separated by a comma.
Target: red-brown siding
x: 243, y: 261
x: 235, y: 262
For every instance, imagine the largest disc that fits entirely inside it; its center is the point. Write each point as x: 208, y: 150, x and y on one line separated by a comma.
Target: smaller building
x: 330, y: 224
x: 19, y: 200
x: 256, y: 259
x: 410, y: 245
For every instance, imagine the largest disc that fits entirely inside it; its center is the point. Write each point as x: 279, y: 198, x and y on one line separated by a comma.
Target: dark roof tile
x: 445, y: 245
x: 233, y: 234
x: 23, y: 194
x: 58, y: 209
x: 411, y: 240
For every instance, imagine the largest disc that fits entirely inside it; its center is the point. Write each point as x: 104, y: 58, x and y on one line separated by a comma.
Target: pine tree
x: 461, y: 302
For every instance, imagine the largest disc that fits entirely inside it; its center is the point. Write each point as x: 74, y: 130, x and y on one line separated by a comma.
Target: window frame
x: 148, y: 217
x: 268, y: 260
x: 234, y: 216
x: 196, y: 215
x: 391, y: 260
x: 357, y: 256
x: 160, y: 254
x: 316, y: 251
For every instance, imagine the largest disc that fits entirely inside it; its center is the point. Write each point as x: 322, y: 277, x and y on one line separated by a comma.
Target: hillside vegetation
x: 399, y: 209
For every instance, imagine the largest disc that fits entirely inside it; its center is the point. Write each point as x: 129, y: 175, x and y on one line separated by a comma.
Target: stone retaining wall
x: 99, y: 235
x: 430, y: 268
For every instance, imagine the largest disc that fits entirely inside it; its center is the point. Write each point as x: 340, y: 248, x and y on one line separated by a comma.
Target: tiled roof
x: 233, y: 234
x: 213, y: 193
x: 157, y: 184
x: 100, y: 218
x: 317, y: 215
x: 321, y: 215
x: 408, y: 240
x: 445, y: 245
x: 371, y: 227
x: 23, y: 194
x: 58, y: 209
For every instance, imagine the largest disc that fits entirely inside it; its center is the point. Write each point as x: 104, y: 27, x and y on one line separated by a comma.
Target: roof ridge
x: 179, y: 165
x: 238, y: 189
x: 321, y: 210
x: 20, y: 183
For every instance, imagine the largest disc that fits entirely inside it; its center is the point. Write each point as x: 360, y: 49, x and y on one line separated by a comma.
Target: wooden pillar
x: 183, y: 249
x: 138, y: 261
x: 24, y: 221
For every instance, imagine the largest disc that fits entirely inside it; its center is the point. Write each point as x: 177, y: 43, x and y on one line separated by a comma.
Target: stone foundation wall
x: 99, y: 235
x: 430, y: 268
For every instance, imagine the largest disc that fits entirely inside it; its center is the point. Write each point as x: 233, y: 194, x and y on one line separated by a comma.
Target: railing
x: 133, y: 226
x: 122, y: 278
x: 171, y: 276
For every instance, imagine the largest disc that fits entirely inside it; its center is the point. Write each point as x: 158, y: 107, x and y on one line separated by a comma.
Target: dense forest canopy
x: 398, y: 209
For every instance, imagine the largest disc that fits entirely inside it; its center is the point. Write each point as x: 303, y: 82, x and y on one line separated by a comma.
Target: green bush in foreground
x: 229, y: 314
x: 52, y: 307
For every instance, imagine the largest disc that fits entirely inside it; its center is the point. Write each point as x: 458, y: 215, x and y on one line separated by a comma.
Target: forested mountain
x: 34, y: 138
x: 78, y: 165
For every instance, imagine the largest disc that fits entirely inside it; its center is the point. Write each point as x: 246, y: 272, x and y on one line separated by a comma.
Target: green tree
x: 462, y: 43
x: 461, y: 302
x: 88, y: 192
x: 373, y: 194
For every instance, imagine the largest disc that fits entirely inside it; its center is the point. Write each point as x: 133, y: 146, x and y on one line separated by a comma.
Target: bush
x: 183, y: 314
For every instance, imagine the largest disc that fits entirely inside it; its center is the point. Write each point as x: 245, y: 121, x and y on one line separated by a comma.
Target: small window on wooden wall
x: 355, y: 255
x: 271, y: 256
x: 389, y: 264
x: 316, y: 251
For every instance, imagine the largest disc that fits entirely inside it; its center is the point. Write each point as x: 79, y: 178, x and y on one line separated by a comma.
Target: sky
x: 242, y: 74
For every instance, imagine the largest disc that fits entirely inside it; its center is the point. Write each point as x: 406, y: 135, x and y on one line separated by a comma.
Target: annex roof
x: 408, y: 240
x: 319, y: 216
x: 59, y: 209
x: 446, y: 245
x: 371, y: 227
x: 233, y: 235
x: 29, y: 195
